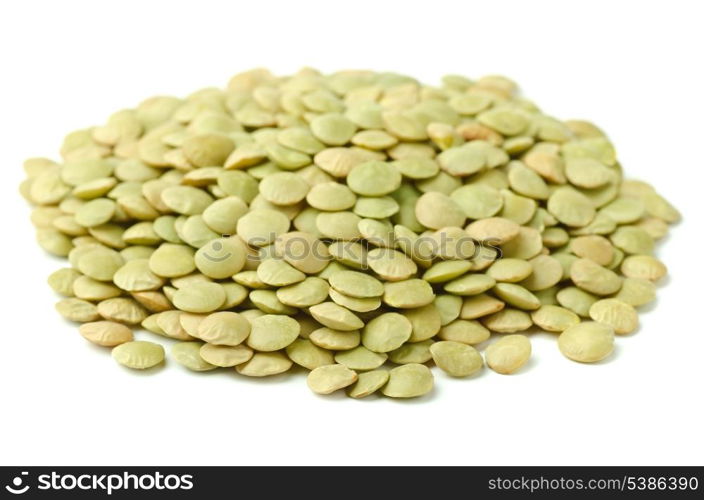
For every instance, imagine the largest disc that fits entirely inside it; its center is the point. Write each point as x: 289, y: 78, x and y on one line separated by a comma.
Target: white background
x: 634, y: 68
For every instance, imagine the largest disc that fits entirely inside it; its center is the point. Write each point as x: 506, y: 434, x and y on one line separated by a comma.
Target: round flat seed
x: 106, y: 333
x: 305, y: 353
x: 224, y: 328
x: 636, y: 292
x: 552, y: 318
x: 554, y: 237
x: 308, y: 292
x: 171, y: 260
x: 451, y: 243
x: 170, y: 324
x: 374, y: 178
x: 391, y: 264
x: 508, y: 354
x: 464, y: 331
x: 576, y: 300
x: 547, y: 272
x: 353, y: 303
x: 412, y: 352
x: 360, y: 359
x: 624, y: 210
x: 95, y: 212
x: 593, y: 247
x: 186, y: 200
x: 199, y: 297
x: 138, y: 354
x: 508, y: 321
x: 526, y: 245
x: 470, y: 104
x: 478, y: 201
x: 48, y: 188
x: 347, y: 254
x: 436, y: 211
x: 471, y: 284
x: 526, y: 182
x: 262, y: 226
x: 84, y: 170
x: 335, y: 340
x: 480, y: 305
x: 338, y: 162
x: 417, y: 167
x: 221, y: 258
x: 374, y: 139
x: 222, y: 215
x: 588, y: 172
x: 77, y: 310
x: 505, y: 121
x: 656, y: 228
x: 61, y: 281
x: 404, y: 126
x: 425, y: 322
x: 408, y: 381
x: 386, y: 332
x: 378, y: 233
x: 278, y: 273
x: 283, y: 188
x: 335, y: 317
x: 368, y: 383
x: 272, y: 332
x: 643, y: 267
x: 456, y: 359
x: 100, y: 263
x: 633, y: 240
x: 571, y: 207
x: 89, y: 289
x: 510, y: 270
x: 304, y: 251
x: 330, y: 378
x: 267, y: 301
x: 207, y: 149
x: 446, y: 270
x: 587, y: 342
x: 408, y: 294
x: 286, y: 158
x: 338, y: 225
x: 188, y: 355
x: 331, y: 197
x: 464, y: 160
x: 622, y: 317
x: 239, y: 184
x: 356, y: 284
x: 519, y: 209
x: 657, y: 206
x: 516, y: 296
x: 442, y: 183
x: 333, y: 129
x: 494, y: 230
x: 300, y: 139
x: 264, y: 364
x: 225, y: 356
x: 592, y: 277
x: 122, y: 310
x: 376, y: 208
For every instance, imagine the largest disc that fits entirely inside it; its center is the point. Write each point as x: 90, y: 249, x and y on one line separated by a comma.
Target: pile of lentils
x: 361, y: 225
